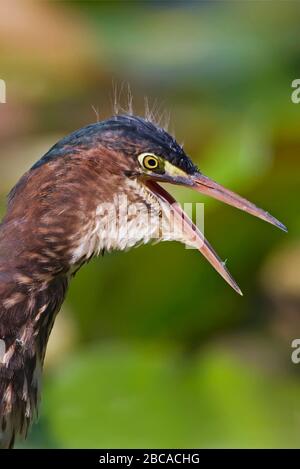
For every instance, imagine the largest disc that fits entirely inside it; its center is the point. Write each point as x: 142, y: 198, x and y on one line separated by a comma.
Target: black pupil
x: 151, y: 162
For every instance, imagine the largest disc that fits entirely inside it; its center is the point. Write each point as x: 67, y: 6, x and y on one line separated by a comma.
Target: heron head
x: 136, y: 157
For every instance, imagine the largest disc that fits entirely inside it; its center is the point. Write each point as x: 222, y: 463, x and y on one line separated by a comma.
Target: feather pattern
x: 54, y: 224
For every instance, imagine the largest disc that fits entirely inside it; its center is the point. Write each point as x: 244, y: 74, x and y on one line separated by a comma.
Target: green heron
x: 60, y: 214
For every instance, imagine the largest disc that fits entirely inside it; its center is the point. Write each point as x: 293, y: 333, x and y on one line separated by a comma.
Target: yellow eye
x: 150, y: 162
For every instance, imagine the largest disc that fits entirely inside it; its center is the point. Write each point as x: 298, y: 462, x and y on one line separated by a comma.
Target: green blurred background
x: 152, y: 348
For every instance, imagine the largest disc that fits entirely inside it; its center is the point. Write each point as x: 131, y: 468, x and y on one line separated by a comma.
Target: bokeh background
x: 152, y: 348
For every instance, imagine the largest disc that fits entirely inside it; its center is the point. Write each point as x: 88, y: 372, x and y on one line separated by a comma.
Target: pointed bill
x: 193, y: 235
x: 209, y: 187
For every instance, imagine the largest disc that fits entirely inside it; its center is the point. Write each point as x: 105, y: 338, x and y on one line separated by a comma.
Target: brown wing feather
x: 26, y: 320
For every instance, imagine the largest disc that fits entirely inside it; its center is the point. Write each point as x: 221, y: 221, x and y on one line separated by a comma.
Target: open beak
x: 206, y: 186
x: 209, y: 187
